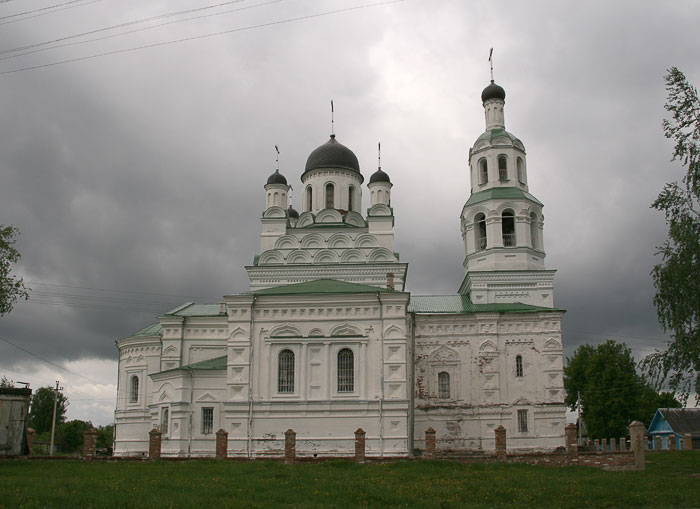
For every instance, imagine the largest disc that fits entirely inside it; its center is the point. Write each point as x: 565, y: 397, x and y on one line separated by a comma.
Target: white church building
x: 327, y: 340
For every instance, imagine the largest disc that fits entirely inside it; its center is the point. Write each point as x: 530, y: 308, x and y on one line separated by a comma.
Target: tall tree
x: 11, y: 287
x: 612, y: 393
x: 41, y: 409
x: 677, y: 277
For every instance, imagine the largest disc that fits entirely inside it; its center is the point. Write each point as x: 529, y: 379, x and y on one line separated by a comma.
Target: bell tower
x: 501, y: 222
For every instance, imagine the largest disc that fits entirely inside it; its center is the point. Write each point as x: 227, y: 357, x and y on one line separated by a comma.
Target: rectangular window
x: 522, y: 421
x: 164, y: 418
x: 207, y: 420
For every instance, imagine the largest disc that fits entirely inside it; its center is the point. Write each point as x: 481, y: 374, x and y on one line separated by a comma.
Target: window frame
x: 345, y: 387
x: 351, y: 198
x: 479, y: 225
x: 207, y: 421
x: 503, y: 171
x: 483, y: 169
x: 290, y: 387
x: 329, y: 200
x: 309, y: 198
x: 444, y: 385
x: 519, y: 372
x: 512, y: 240
x: 165, y: 420
x: 522, y: 420
x: 134, y: 388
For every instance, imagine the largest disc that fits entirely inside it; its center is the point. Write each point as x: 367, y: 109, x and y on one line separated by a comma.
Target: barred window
x: 519, y: 365
x: 207, y: 420
x: 346, y: 370
x: 285, y: 378
x: 134, y: 389
x: 522, y: 421
x: 444, y: 385
x: 164, y: 418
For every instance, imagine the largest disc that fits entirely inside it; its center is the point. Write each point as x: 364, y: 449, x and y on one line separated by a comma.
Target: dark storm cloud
x: 143, y: 172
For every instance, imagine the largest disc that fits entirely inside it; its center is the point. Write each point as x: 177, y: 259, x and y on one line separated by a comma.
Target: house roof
x: 436, y: 304
x: 151, y: 330
x: 208, y: 365
x: 320, y: 287
x: 192, y: 309
x: 682, y: 420
x: 500, y: 193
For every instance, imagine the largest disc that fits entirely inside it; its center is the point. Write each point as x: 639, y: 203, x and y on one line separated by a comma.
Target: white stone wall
x: 479, y: 352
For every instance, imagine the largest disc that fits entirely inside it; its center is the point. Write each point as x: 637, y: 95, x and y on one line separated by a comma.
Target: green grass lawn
x: 667, y: 482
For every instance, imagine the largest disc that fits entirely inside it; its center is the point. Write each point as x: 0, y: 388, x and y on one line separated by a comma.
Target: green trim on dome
x: 501, y: 193
x: 492, y: 134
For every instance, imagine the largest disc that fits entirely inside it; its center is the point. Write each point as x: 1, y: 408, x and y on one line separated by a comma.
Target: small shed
x: 14, y: 406
x: 674, y: 424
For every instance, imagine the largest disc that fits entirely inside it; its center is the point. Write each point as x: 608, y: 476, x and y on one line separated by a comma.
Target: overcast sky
x: 136, y: 177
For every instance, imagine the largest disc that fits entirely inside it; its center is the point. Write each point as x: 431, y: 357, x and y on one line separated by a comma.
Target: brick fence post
x: 688, y: 442
x: 500, y: 432
x: 596, y: 445
x: 623, y: 443
x: 613, y: 444
x: 290, y: 446
x: 360, y: 445
x: 430, y: 443
x: 89, y: 443
x: 221, y: 444
x: 29, y: 437
x: 671, y: 442
x: 571, y: 442
x: 154, y: 437
x: 637, y: 440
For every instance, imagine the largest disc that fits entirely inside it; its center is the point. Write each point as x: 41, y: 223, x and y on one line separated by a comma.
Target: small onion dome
x: 379, y: 176
x: 293, y: 214
x: 493, y: 91
x: 277, y: 178
x: 332, y: 155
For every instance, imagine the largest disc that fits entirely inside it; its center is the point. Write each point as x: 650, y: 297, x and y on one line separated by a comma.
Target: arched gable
x: 312, y: 240
x: 379, y: 209
x: 271, y: 257
x: 552, y: 344
x: 329, y: 216
x: 326, y: 256
x: 339, y: 240
x: 207, y: 397
x: 275, y: 212
x: 287, y: 242
x: 381, y: 254
x: 286, y: 330
x: 346, y: 329
x: 354, y: 219
x: 238, y: 333
x: 394, y: 332
x: 444, y: 354
x: 488, y: 346
x: 365, y: 240
x: 299, y: 257
x: 171, y: 350
x: 352, y: 256
x: 305, y: 219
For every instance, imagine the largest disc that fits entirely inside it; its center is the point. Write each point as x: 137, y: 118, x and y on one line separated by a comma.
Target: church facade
x: 328, y: 340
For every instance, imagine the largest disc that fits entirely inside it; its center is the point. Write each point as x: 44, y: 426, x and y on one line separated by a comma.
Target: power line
x: 50, y: 12
x: 58, y: 46
x: 121, y: 25
x: 50, y: 362
x: 37, y: 10
x: 197, y: 37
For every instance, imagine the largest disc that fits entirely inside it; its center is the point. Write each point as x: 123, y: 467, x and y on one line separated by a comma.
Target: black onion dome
x: 379, y: 176
x: 277, y: 178
x: 332, y: 155
x: 493, y: 91
x: 292, y: 213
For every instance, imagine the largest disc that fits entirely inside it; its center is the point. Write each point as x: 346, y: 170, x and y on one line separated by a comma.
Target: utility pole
x: 53, y: 422
x: 578, y: 408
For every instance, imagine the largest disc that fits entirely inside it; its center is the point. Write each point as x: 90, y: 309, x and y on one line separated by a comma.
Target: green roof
x: 209, y: 365
x: 435, y: 304
x: 501, y: 193
x: 152, y: 330
x: 192, y: 309
x: 320, y: 287
x: 495, y: 133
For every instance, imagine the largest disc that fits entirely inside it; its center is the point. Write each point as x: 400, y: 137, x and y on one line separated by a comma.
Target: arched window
x: 480, y: 231
x: 134, y: 389
x: 483, y: 171
x: 164, y: 418
x: 330, y: 195
x: 444, y: 385
x: 346, y: 370
x: 309, y: 198
x: 508, y: 227
x: 285, y: 372
x: 276, y: 199
x: 533, y: 231
x: 351, y: 198
x: 519, y: 365
x: 502, y: 168
x: 521, y: 170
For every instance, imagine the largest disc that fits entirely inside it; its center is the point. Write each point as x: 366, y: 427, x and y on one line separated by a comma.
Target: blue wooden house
x: 675, y: 423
